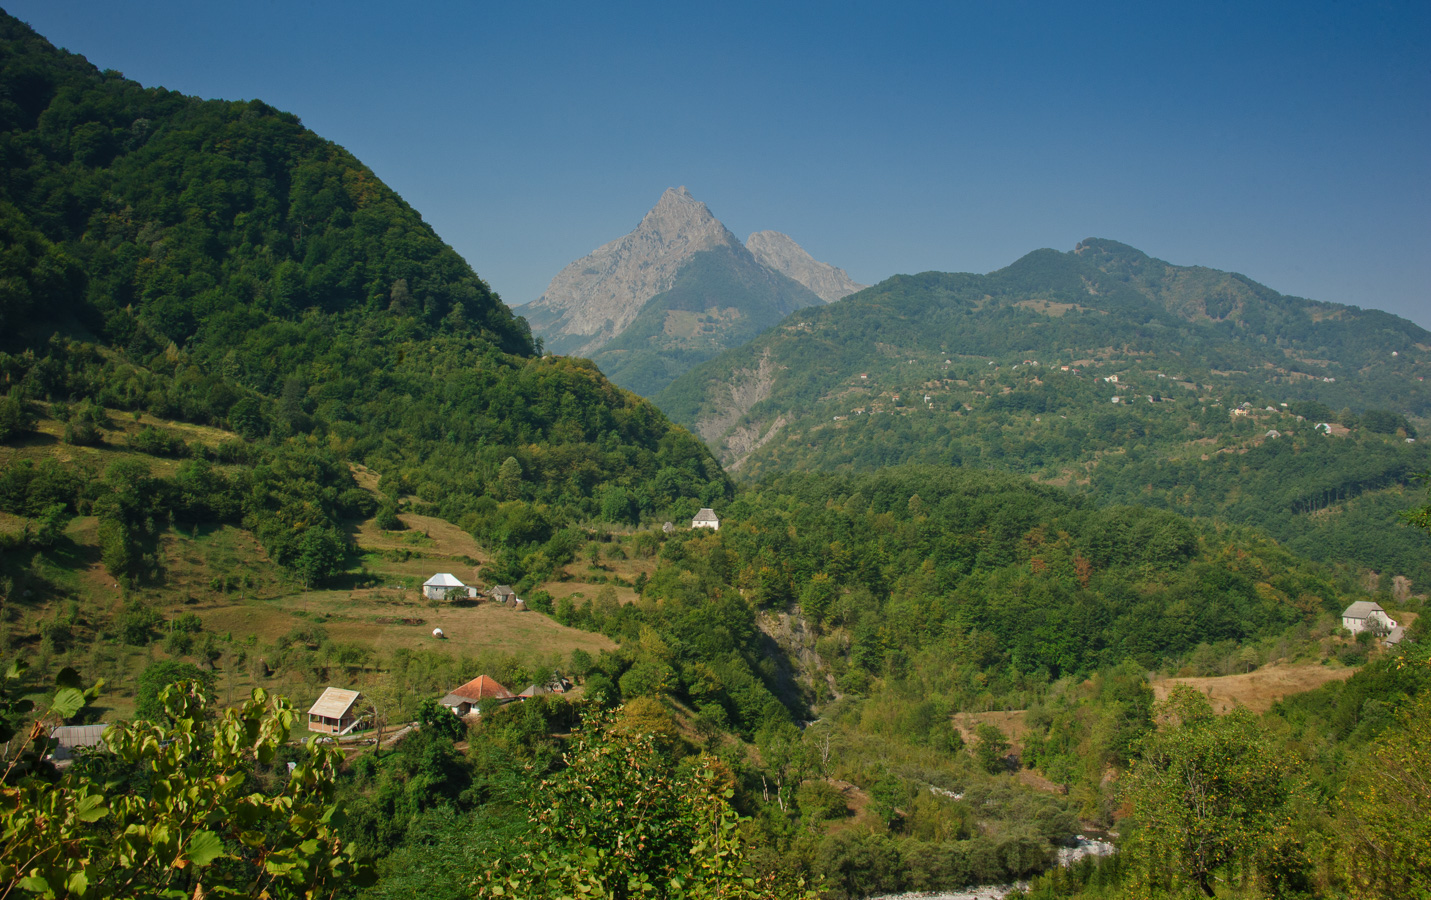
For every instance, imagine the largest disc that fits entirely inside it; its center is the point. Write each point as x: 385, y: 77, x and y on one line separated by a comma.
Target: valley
x: 910, y: 587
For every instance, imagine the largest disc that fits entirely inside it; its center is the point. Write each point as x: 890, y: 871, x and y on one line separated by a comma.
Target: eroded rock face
x: 595, y: 298
x: 598, y: 297
x: 783, y: 255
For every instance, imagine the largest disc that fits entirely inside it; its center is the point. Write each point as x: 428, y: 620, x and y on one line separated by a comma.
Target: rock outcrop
x: 679, y: 246
x: 782, y: 254
x: 595, y: 298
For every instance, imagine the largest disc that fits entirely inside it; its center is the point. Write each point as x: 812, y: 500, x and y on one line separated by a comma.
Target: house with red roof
x: 463, y: 700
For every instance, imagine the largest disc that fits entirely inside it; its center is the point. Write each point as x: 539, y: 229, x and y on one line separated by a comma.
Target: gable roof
x: 443, y: 579
x: 502, y: 590
x: 705, y: 515
x: 334, y: 703
x: 1361, y: 609
x: 480, y: 688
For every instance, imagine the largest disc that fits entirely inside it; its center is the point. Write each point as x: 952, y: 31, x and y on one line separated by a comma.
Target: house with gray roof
x: 1365, y: 615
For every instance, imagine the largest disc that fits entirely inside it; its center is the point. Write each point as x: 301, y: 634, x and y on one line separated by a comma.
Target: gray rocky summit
x: 595, y: 298
x: 783, y: 255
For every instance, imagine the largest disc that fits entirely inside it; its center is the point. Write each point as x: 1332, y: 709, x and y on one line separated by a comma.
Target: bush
x: 138, y: 623
x: 155, y: 442
x: 15, y: 417
x: 159, y: 675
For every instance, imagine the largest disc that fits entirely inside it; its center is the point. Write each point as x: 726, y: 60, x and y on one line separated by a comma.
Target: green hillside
x: 216, y: 262
x: 1145, y: 382
x: 720, y: 299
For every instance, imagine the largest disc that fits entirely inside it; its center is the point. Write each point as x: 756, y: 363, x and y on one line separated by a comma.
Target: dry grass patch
x: 470, y: 630
x: 588, y: 590
x: 1011, y: 723
x: 424, y: 534
x: 1257, y: 690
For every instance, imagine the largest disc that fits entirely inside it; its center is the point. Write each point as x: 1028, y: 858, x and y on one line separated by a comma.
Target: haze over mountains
x: 676, y: 291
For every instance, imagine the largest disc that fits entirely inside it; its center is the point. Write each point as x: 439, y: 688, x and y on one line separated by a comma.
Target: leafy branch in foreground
x: 198, y: 824
x: 623, y: 820
x: 1210, y: 793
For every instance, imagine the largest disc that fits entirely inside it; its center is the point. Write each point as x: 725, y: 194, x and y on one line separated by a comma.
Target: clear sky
x: 1289, y: 141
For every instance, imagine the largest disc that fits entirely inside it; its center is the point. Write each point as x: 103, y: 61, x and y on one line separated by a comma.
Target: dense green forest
x: 217, y: 263
x: 1101, y: 368
x: 785, y: 709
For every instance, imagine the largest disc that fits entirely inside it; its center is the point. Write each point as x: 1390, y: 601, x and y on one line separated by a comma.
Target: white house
x: 1362, y: 614
x: 436, y: 587
x: 706, y: 518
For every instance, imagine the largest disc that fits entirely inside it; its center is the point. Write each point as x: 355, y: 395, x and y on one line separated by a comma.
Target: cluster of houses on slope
x: 337, y: 711
x: 446, y: 586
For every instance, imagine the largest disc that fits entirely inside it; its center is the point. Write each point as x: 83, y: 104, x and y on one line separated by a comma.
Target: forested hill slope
x: 217, y: 262
x: 1099, y: 366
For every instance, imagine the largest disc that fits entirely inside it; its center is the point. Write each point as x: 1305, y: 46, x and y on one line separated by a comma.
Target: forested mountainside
x: 916, y: 679
x: 1186, y: 388
x: 217, y: 263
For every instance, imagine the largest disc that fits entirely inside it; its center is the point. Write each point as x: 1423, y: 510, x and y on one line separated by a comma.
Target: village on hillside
x: 339, y: 712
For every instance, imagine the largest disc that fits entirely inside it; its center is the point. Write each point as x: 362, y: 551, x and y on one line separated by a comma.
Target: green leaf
x: 69, y: 678
x: 91, y: 808
x: 78, y: 883
x: 68, y: 701
x: 204, y: 848
x: 35, y: 884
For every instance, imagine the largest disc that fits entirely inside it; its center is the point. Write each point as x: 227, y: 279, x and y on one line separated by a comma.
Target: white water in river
x: 1067, y: 856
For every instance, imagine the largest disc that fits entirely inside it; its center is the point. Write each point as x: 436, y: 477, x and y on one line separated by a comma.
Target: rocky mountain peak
x: 595, y: 298
x: 781, y: 253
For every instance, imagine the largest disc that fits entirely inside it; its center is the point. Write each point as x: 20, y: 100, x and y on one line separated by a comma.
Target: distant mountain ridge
x: 674, y: 292
x: 1146, y: 382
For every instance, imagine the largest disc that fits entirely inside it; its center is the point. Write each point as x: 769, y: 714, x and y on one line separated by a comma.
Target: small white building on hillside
x: 436, y: 587
x: 1363, y: 615
x: 706, y: 518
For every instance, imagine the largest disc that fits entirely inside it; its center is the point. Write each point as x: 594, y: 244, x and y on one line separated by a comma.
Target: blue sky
x: 1287, y: 141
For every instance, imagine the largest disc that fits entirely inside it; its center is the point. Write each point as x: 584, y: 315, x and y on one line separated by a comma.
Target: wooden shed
x: 334, y: 712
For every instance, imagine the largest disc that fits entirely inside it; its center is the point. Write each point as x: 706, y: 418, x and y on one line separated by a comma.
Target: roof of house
x: 443, y: 579
x: 555, y: 686
x: 73, y: 737
x: 334, y: 703
x: 479, y: 688
x: 1361, y: 609
x: 705, y: 515
x: 502, y: 589
x: 1396, y: 636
